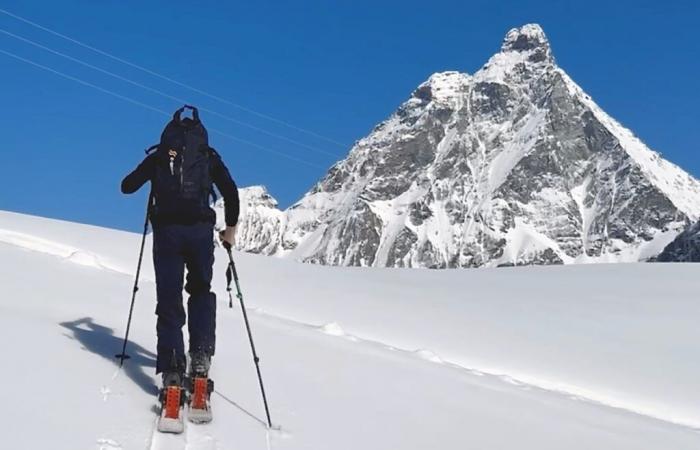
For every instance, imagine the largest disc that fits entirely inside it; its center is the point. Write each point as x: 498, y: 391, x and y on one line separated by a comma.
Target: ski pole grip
x: 229, y: 277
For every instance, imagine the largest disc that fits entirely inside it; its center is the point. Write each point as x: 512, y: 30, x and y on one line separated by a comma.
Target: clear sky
x: 336, y: 68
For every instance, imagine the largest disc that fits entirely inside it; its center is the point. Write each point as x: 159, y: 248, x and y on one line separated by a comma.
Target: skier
x: 182, y: 172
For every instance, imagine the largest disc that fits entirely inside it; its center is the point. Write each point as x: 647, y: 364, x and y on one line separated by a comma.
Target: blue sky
x: 336, y: 68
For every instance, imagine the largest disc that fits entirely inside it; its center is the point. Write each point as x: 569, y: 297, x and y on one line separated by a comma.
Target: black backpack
x: 182, y: 183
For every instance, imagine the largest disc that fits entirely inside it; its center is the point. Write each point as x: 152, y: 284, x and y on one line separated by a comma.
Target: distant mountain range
x: 513, y: 165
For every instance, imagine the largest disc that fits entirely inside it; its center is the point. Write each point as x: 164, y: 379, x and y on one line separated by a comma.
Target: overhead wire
x: 149, y: 107
x: 172, y: 80
x: 161, y: 93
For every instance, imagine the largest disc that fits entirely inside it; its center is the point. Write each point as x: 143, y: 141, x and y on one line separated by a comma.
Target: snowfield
x: 573, y: 357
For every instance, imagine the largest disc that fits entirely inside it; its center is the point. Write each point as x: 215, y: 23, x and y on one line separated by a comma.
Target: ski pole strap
x: 228, y: 286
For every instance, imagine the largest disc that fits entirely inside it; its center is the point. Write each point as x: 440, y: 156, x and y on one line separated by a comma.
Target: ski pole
x: 232, y: 273
x: 122, y: 356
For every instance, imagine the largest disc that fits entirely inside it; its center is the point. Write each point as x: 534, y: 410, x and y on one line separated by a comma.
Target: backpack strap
x: 215, y: 154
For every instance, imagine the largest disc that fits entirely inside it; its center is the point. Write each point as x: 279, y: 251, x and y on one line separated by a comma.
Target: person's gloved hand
x: 228, y: 236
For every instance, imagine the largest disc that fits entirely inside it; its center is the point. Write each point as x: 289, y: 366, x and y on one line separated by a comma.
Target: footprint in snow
x: 511, y: 380
x: 428, y: 356
x: 108, y: 444
x: 106, y: 392
x: 332, y: 329
x: 84, y: 259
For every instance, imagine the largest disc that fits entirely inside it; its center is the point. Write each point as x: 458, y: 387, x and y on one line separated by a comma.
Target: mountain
x: 513, y: 165
x: 260, y: 221
x: 685, y: 248
x: 576, y: 358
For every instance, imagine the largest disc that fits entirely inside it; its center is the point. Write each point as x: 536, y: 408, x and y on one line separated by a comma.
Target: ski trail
x: 106, y: 389
x: 167, y: 441
x: 199, y: 437
x: 108, y: 444
x: 526, y: 381
x: 195, y: 437
x: 562, y: 387
x: 68, y: 253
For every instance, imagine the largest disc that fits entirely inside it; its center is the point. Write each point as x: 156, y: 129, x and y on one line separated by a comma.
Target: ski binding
x: 172, y: 399
x: 199, y: 407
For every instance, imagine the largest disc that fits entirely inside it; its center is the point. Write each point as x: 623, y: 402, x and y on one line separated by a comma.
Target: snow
x: 447, y: 87
x: 526, y: 240
x: 428, y: 356
x: 573, y: 357
x: 500, y: 66
x: 532, y: 31
x: 333, y: 329
x: 393, y: 214
x: 587, y: 212
x: 516, y: 149
x: 681, y: 188
x: 260, y: 220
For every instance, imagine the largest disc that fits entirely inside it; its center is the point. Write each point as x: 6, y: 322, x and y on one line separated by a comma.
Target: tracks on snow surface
x: 195, y: 437
x: 526, y: 381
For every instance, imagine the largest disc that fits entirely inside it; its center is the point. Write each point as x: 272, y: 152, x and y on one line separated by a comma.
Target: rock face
x: 513, y: 165
x: 260, y: 222
x: 685, y: 248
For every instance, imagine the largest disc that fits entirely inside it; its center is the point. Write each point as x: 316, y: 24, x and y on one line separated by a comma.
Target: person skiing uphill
x: 182, y: 171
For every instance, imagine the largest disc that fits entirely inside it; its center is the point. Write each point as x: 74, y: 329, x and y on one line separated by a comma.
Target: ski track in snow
x: 167, y: 441
x: 574, y: 393
x: 67, y: 253
x: 201, y: 441
x: 195, y: 437
x: 108, y: 444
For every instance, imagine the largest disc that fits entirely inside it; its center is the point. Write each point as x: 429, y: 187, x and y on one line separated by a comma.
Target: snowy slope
x: 533, y: 358
x: 512, y: 165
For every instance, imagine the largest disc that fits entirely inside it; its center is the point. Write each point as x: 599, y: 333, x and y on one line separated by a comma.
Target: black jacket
x: 221, y: 178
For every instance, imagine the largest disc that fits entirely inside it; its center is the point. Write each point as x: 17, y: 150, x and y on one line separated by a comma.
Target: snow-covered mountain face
x: 512, y: 165
x: 260, y: 221
x: 685, y: 248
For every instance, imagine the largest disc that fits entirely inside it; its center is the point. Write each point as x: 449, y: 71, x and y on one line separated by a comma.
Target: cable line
x: 171, y: 80
x: 147, y: 106
x: 163, y: 94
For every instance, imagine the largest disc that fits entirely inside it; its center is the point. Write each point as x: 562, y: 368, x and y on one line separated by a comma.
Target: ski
x: 199, y: 405
x: 172, y: 401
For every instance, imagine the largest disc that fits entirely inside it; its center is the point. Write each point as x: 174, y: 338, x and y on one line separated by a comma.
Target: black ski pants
x: 176, y: 247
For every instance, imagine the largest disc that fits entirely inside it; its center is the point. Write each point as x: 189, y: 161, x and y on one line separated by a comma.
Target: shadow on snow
x: 101, y: 341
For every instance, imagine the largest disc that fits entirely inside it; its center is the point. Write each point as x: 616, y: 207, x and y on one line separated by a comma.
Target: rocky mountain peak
x: 258, y: 196
x: 442, y: 86
x: 513, y: 165
x: 260, y: 222
x: 529, y: 39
